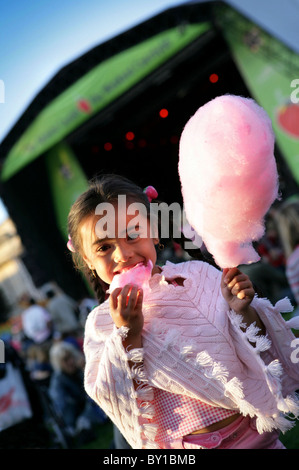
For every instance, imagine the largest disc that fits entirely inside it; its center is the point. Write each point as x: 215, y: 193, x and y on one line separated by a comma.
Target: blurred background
x: 96, y: 86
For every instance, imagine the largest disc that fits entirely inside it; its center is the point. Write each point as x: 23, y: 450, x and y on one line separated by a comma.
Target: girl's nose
x: 122, y: 253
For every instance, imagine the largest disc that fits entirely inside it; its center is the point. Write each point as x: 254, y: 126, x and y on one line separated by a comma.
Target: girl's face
x: 129, y: 244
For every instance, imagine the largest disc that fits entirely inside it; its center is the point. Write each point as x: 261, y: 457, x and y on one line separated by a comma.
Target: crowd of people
x: 277, y: 273
x: 45, y: 353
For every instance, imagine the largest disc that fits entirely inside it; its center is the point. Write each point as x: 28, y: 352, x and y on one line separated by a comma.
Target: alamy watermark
x: 170, y: 219
x: 295, y: 93
x: 2, y: 91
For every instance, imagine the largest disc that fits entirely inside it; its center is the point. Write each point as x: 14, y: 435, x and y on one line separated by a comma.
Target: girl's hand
x: 237, y: 289
x: 126, y: 310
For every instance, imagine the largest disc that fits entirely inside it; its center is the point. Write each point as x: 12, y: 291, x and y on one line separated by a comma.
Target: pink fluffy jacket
x: 193, y: 345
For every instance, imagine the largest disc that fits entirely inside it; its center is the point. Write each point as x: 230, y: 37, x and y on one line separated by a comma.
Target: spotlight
x: 107, y: 146
x: 130, y: 135
x: 213, y: 78
x: 163, y: 113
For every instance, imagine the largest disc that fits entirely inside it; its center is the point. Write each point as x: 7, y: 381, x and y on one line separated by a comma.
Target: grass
x: 291, y: 438
x: 104, y: 437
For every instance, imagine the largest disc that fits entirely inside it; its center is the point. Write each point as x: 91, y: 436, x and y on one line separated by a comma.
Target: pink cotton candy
x: 138, y: 275
x: 228, y: 176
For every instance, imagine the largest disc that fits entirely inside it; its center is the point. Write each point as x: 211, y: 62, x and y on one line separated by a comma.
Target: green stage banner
x: 67, y: 181
x: 94, y: 91
x: 271, y: 72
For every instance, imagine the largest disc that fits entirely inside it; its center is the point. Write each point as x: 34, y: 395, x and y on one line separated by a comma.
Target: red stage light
x: 130, y: 135
x: 142, y: 143
x: 95, y: 149
x: 130, y: 145
x: 214, y: 78
x: 163, y: 113
x: 108, y: 146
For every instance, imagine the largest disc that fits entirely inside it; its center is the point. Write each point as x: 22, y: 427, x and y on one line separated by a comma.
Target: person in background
x: 36, y: 323
x: 287, y: 217
x: 63, y: 313
x: 268, y: 275
x: 66, y: 390
x: 22, y: 416
x: 38, y: 363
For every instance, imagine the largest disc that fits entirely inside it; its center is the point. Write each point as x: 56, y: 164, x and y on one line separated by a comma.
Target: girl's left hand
x: 237, y: 289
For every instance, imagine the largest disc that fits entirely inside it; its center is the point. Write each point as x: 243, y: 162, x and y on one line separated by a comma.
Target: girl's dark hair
x: 106, y: 189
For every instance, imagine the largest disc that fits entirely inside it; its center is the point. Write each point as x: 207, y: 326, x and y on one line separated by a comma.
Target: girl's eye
x: 103, y: 248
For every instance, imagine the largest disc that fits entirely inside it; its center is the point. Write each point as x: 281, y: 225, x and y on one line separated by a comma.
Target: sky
x: 39, y: 37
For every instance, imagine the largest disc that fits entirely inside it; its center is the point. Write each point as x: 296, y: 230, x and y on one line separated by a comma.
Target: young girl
x: 193, y: 361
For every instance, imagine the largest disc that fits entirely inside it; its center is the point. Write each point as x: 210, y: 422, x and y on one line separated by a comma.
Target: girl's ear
x: 87, y: 261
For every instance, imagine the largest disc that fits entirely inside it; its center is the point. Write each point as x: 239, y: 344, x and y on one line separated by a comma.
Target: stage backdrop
x: 268, y: 68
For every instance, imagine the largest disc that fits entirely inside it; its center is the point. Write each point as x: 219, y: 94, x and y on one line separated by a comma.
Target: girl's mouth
x: 128, y: 268
x: 138, y: 274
